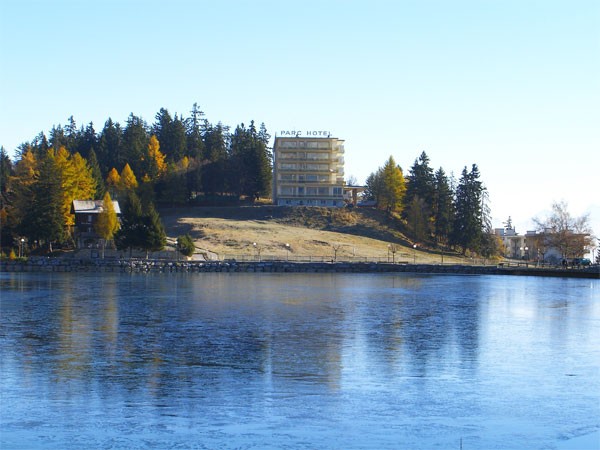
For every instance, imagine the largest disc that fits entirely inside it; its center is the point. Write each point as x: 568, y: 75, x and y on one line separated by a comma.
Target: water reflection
x: 276, y: 350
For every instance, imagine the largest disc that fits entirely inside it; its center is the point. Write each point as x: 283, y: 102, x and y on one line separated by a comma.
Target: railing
x: 309, y: 196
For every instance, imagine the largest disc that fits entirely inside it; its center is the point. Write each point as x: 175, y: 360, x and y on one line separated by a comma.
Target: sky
x: 510, y: 85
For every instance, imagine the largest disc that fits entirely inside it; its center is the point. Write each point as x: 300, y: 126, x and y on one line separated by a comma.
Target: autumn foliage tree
x: 107, y: 224
x: 127, y: 179
x: 156, y: 166
x: 394, y: 187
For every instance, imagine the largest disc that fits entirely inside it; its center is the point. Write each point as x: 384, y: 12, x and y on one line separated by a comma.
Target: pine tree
x: 6, y: 178
x: 419, y: 196
x: 251, y: 162
x: 135, y: 143
x: 185, y: 245
x: 110, y: 150
x: 26, y: 174
x: 443, y: 208
x: 195, y: 145
x: 129, y: 235
x: 108, y: 223
x: 153, y: 236
x: 44, y: 220
x: 374, y: 186
x: 468, y: 221
x: 214, y: 170
x: 96, y: 173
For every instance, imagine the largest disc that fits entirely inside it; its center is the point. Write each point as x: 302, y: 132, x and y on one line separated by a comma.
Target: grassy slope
x: 229, y: 232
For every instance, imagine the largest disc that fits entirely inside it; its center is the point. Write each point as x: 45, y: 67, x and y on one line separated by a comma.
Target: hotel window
x: 337, y: 191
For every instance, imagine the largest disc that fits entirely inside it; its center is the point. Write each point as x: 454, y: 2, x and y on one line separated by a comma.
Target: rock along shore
x: 157, y: 266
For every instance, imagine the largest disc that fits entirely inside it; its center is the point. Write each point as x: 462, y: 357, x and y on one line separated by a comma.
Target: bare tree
x: 572, y: 236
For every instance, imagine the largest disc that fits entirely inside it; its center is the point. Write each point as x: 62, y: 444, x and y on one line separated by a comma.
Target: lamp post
x: 392, y: 248
x: 257, y: 250
x: 22, y: 248
x: 287, y: 249
x: 414, y: 253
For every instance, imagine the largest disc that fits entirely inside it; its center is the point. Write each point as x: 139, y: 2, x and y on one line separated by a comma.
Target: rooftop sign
x: 313, y: 133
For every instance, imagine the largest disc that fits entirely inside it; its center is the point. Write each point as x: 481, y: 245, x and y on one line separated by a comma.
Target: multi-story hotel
x: 308, y: 171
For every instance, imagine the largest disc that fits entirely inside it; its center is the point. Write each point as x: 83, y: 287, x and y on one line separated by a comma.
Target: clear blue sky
x: 511, y: 85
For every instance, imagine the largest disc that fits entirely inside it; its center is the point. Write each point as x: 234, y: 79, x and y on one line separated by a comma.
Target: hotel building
x: 308, y: 171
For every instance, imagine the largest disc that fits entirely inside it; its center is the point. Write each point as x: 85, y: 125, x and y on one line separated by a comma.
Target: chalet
x: 86, y: 215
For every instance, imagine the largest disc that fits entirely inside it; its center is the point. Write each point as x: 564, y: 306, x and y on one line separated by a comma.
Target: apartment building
x: 308, y: 170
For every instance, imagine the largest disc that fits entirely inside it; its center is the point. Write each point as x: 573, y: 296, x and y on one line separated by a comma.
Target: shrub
x: 185, y: 245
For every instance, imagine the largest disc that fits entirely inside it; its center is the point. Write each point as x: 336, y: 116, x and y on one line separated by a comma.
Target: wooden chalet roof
x: 91, y: 206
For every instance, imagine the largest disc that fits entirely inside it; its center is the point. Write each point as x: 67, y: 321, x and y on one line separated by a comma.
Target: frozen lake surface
x: 167, y: 361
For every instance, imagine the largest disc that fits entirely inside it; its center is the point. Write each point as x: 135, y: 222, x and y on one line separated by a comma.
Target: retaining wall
x: 147, y: 266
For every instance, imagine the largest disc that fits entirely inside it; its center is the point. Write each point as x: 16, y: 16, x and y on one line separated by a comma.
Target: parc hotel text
x: 307, y: 133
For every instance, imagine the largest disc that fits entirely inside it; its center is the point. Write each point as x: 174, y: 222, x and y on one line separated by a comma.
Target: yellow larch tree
x: 128, y: 180
x: 77, y: 181
x: 156, y: 160
x: 113, y: 180
x: 108, y: 223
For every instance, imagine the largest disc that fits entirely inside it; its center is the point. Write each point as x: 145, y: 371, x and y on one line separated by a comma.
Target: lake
x: 165, y: 361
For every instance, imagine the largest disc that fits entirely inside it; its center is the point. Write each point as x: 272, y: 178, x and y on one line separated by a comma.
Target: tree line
x: 436, y: 209
x: 175, y: 160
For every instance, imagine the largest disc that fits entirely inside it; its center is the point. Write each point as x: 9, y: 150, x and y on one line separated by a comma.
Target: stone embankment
x: 156, y: 266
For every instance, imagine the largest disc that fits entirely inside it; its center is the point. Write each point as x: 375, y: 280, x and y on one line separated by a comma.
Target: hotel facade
x: 308, y: 170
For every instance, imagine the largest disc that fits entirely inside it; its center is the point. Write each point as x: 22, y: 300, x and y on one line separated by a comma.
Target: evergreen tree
x: 172, y: 189
x: 96, y: 173
x: 417, y: 219
x: 374, y: 186
x: 419, y: 196
x: 57, y: 137
x: 468, y: 221
x: 6, y: 177
x: 195, y: 145
x: 443, y: 207
x: 40, y: 145
x: 185, y: 245
x: 214, y: 170
x: 108, y: 223
x: 43, y: 219
x: 26, y: 174
x: 5, y: 174
x: 129, y: 235
x: 161, y: 128
x: 110, y: 150
x: 71, y: 136
x: 177, y: 140
x: 251, y: 163
x: 87, y: 141
x: 153, y: 236
x: 135, y: 143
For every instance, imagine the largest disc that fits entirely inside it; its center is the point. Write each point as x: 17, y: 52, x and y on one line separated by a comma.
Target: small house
x: 86, y: 215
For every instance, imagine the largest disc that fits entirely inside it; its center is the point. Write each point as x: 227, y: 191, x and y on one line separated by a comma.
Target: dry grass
x: 230, y: 232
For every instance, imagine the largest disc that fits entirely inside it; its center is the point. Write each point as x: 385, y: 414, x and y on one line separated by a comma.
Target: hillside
x: 230, y: 232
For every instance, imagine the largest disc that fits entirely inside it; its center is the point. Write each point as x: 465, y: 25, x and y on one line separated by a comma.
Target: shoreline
x: 161, y: 266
